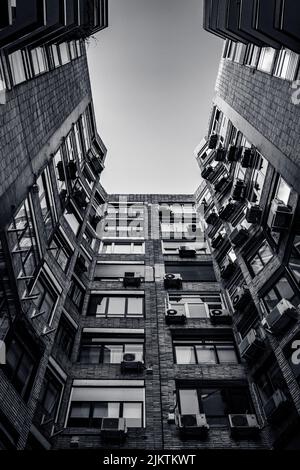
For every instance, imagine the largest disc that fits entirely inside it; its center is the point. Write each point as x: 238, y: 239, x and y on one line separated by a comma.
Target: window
x: 60, y: 171
x: 51, y: 395
x: 116, y: 306
x: 65, y: 336
x: 88, y: 237
x: 122, y: 248
x: 78, y: 141
x: 287, y: 64
x: 205, y: 351
x: 90, y: 404
x: 64, y: 53
x: 266, y: 59
x: 172, y: 248
x: 193, y: 272
x: 38, y: 60
x: 61, y: 251
x: 23, y: 238
x: 252, y: 55
x: 281, y: 290
x: 70, y: 147
x: 258, y: 178
x: 76, y: 293
x: 73, y: 219
x: 55, y: 55
x: 117, y: 272
x: 283, y: 191
x: 85, y: 131
x: 2, y: 78
x: 21, y: 364
x: 215, y: 402
x: 110, y: 350
x: 195, y: 306
x: 261, y: 258
x: 268, y: 381
x: 240, y: 52
x: 45, y: 298
x: 18, y: 67
x: 47, y: 201
x: 294, y: 262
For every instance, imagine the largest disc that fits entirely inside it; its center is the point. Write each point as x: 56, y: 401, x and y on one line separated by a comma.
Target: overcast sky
x: 153, y: 72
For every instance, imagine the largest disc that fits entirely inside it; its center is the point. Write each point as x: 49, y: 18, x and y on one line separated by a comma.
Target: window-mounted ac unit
x: 227, y: 269
x: 74, y: 442
x: 220, y: 317
x: 72, y: 170
x: 248, y: 158
x: 207, y: 172
x: 187, y: 252
x: 172, y: 281
x: 96, y: 164
x: 227, y: 211
x: 275, y: 408
x: 239, y: 191
x: 61, y: 171
x: 220, y: 155
x: 80, y: 265
x: 212, y: 142
x: 243, y: 425
x: 251, y: 345
x: 217, y: 241
x: 113, y: 429
x: 281, y: 316
x: 234, y: 153
x: 131, y: 363
x: 241, y: 298
x: 173, y: 317
x: 94, y: 221
x: 212, y: 218
x: 239, y: 236
x: 253, y: 214
x: 131, y: 280
x: 280, y: 216
x: 223, y: 185
x: 79, y: 197
x: 193, y: 425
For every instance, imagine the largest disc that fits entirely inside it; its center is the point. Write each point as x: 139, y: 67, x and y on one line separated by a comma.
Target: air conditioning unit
x: 213, y: 140
x: 253, y: 214
x: 227, y: 269
x: 187, y: 252
x: 96, y: 165
x: 227, y: 211
x: 241, y: 298
x: 217, y: 241
x: 251, y: 345
x: 280, y: 216
x: 281, y: 316
x: 61, y: 171
x: 131, y: 363
x: 72, y: 170
x: 172, y: 281
x: 79, y: 197
x: 239, y: 236
x: 113, y: 429
x: 239, y: 191
x: 207, y: 172
x: 131, y: 280
x: 74, y: 442
x: 275, y: 408
x: 220, y: 155
x: 173, y: 317
x: 212, y: 218
x: 220, y: 317
x: 80, y: 265
x: 243, y: 425
x: 248, y: 158
x: 234, y: 153
x: 193, y: 425
x: 94, y: 221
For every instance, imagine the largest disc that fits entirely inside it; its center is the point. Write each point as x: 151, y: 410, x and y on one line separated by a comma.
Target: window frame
x: 125, y: 314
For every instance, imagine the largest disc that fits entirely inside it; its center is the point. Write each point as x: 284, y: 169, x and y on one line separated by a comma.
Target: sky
x: 153, y: 72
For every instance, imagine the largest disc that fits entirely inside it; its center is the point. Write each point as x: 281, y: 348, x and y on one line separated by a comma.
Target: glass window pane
x: 135, y: 306
x: 90, y: 354
x: 80, y: 410
x: 197, y: 311
x: 122, y: 249
x: 137, y: 349
x: 17, y: 67
x: 185, y: 355
x: 101, y: 306
x: 133, y: 414
x: 116, y: 306
x: 227, y: 354
x: 206, y: 354
x: 189, y: 402
x: 283, y: 191
x: 112, y: 354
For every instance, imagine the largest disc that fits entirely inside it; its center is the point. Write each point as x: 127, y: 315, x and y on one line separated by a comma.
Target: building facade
x: 144, y: 321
